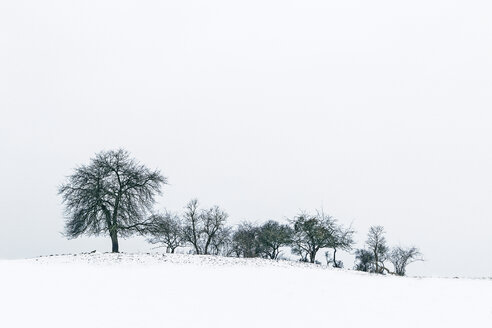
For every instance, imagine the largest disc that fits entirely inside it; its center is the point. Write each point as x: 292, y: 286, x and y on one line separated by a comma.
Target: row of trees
x: 206, y: 232
x: 114, y: 195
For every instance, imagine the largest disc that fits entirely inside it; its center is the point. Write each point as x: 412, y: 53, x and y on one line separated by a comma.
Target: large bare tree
x: 112, y: 195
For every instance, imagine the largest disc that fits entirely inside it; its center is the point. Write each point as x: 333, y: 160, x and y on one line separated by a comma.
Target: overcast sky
x: 377, y: 111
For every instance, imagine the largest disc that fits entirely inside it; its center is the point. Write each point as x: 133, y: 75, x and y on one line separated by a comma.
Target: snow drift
x: 167, y: 290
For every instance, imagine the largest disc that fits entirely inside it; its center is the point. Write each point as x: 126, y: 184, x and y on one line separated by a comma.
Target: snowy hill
x: 163, y: 290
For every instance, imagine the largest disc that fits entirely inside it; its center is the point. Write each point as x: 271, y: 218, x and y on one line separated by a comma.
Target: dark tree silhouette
x: 272, y: 236
x: 112, y: 195
x: 311, y: 233
x: 245, y: 240
x: 364, y: 260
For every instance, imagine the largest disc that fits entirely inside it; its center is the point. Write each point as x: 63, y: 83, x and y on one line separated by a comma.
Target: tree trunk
x: 113, y: 230
x: 376, y: 260
x: 312, y: 256
x: 335, y: 258
x: 195, y: 237
x: 114, y: 241
x: 207, y: 244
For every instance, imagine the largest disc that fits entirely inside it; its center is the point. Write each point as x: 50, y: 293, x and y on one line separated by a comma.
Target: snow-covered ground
x: 157, y: 290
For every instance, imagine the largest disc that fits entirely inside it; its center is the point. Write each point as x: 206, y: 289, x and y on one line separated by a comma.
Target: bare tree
x: 401, y: 257
x: 166, y: 229
x: 112, y: 195
x: 213, y: 220
x: 311, y: 233
x: 202, y: 227
x: 273, y: 235
x: 376, y: 242
x: 193, y: 225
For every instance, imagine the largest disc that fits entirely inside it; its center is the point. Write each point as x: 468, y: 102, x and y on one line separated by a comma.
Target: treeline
x: 114, y: 195
x: 205, y: 231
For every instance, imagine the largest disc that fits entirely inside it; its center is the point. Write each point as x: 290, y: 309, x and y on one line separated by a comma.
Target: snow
x: 175, y: 290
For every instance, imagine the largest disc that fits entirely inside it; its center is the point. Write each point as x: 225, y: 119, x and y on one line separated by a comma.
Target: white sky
x: 378, y: 111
